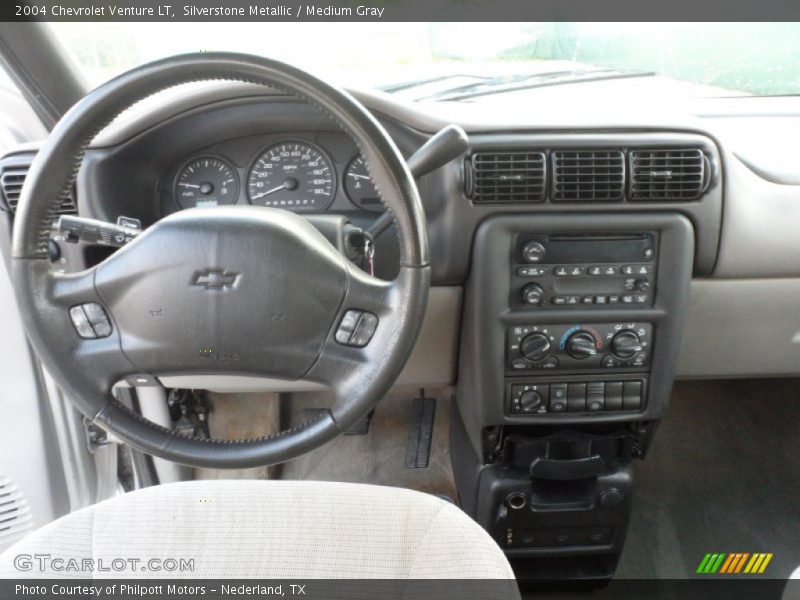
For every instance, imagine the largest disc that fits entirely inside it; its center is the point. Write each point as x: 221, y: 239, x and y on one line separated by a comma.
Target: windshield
x: 457, y: 61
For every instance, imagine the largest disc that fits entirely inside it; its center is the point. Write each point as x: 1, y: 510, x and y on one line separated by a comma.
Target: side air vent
x: 508, y: 177
x: 12, y: 177
x: 15, y: 513
x: 588, y: 176
x: 674, y: 174
x: 11, y: 181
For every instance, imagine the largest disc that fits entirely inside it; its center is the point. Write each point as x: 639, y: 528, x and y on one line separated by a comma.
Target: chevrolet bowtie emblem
x: 214, y: 280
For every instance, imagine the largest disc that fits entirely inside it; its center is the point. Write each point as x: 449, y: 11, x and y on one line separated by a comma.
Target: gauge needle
x: 268, y: 192
x: 191, y: 185
x: 357, y: 176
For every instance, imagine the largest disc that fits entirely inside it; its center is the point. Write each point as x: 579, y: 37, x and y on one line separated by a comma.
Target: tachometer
x: 295, y: 176
x: 206, y: 181
x: 359, y: 187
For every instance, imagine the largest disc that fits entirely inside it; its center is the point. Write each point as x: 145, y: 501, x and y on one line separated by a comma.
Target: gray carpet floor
x: 722, y: 475
x: 379, y: 456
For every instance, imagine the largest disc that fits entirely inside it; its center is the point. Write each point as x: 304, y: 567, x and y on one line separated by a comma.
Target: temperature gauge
x: 359, y: 187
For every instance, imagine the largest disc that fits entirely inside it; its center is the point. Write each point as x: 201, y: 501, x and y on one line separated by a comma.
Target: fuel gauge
x: 206, y: 181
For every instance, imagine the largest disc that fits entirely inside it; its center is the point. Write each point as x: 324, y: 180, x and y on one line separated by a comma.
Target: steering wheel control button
x: 365, y: 328
x: 357, y: 328
x: 90, y: 320
x: 347, y: 326
x: 81, y: 323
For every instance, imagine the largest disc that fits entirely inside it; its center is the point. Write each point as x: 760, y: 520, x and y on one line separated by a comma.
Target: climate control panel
x: 600, y: 346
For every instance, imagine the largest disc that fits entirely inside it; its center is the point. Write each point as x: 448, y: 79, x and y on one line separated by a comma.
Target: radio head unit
x: 562, y: 271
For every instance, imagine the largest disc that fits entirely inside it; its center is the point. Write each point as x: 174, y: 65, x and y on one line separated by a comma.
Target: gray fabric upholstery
x: 272, y: 529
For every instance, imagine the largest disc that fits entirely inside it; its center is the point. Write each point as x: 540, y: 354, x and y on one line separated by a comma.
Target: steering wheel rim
x: 87, y: 369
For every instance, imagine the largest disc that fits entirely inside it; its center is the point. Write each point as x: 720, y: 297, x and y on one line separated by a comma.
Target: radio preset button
x: 637, y: 270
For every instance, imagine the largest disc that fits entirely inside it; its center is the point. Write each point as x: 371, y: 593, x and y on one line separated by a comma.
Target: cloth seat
x: 265, y: 529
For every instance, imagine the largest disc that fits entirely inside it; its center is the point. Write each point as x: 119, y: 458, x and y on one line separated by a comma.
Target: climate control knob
x: 581, y: 345
x: 529, y: 401
x: 533, y: 294
x: 625, y: 344
x: 535, y: 346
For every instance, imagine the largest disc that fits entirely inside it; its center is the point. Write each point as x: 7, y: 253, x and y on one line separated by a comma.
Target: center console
x: 572, y: 325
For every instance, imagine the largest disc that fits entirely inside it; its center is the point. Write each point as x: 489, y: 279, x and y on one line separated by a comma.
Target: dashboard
x: 745, y: 266
x: 581, y: 259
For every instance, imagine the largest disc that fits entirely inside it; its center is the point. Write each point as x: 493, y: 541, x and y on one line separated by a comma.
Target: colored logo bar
x: 735, y: 562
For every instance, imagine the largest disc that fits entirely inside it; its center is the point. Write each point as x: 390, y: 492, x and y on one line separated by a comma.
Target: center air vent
x: 508, y: 177
x: 13, y: 176
x: 588, y: 176
x: 675, y: 174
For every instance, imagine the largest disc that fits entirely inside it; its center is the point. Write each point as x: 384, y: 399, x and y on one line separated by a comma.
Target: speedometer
x: 293, y: 175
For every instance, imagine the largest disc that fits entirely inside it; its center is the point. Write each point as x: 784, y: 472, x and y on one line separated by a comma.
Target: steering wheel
x: 230, y: 290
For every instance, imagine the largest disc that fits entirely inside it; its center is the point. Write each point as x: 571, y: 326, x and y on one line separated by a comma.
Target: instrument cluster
x: 295, y: 173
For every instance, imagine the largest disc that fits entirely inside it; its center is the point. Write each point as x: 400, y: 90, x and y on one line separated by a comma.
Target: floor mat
x: 723, y: 475
x: 378, y: 457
